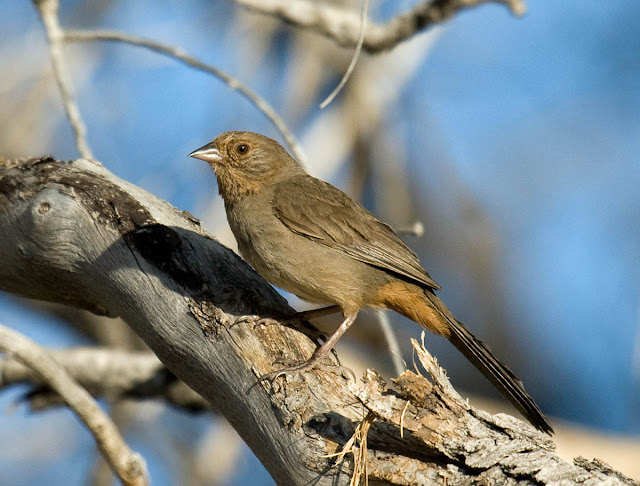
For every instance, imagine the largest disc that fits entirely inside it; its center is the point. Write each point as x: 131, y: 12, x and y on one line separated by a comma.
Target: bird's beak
x: 209, y: 153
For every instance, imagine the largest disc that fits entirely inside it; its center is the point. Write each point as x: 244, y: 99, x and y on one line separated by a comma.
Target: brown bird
x: 309, y: 238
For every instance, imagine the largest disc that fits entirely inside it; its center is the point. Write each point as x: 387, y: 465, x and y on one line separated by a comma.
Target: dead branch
x: 343, y: 26
x: 74, y: 233
x: 107, y: 373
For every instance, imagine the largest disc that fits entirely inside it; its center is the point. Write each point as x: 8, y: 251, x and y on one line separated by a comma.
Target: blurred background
x: 515, y: 142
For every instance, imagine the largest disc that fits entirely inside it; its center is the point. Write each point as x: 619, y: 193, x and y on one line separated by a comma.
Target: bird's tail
x: 434, y: 315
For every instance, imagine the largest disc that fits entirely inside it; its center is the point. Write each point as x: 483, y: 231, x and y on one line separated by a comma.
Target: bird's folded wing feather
x: 319, y: 211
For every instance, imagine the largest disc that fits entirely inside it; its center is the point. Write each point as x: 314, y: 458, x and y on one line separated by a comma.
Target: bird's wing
x: 319, y: 211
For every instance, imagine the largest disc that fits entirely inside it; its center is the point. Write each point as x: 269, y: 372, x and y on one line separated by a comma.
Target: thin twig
x: 392, y: 341
x: 180, y: 55
x: 126, y: 464
x: 49, y: 13
x: 354, y: 59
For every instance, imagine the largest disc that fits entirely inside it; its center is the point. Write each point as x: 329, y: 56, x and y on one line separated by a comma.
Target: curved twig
x: 354, y: 59
x: 180, y: 55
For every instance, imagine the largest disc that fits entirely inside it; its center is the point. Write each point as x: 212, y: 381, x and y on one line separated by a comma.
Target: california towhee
x: 309, y: 238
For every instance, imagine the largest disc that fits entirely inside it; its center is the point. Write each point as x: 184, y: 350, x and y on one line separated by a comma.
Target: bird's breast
x: 293, y: 262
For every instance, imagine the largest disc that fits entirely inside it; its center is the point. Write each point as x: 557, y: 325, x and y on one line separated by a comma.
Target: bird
x: 311, y: 239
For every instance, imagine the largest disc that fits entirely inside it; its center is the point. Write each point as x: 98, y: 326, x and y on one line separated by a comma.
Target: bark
x: 73, y: 233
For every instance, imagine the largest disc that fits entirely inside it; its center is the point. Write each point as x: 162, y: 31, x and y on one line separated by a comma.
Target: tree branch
x: 343, y: 26
x: 127, y: 465
x: 74, y: 233
x: 49, y: 13
x: 106, y: 373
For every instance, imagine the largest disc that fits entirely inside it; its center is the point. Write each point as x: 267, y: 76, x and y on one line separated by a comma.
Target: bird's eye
x: 242, y: 148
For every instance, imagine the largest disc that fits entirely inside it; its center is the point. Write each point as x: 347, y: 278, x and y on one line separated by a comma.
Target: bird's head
x: 246, y: 162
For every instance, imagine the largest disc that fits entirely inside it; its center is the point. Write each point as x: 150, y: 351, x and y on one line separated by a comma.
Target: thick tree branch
x: 343, y: 26
x: 74, y: 233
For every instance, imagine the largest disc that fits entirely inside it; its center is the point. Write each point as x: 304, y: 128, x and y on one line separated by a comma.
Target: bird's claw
x: 308, y: 365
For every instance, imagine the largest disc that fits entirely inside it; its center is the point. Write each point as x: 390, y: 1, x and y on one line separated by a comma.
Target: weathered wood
x: 73, y: 233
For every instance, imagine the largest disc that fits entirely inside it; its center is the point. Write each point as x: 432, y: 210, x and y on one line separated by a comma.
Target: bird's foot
x: 303, y: 366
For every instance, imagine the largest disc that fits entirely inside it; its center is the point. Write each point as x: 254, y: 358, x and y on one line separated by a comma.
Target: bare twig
x: 49, y: 13
x: 392, y: 342
x: 127, y: 465
x: 180, y: 55
x: 343, y: 25
x: 354, y: 59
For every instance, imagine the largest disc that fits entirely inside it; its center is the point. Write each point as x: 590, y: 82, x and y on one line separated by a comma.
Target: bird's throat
x: 233, y: 185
